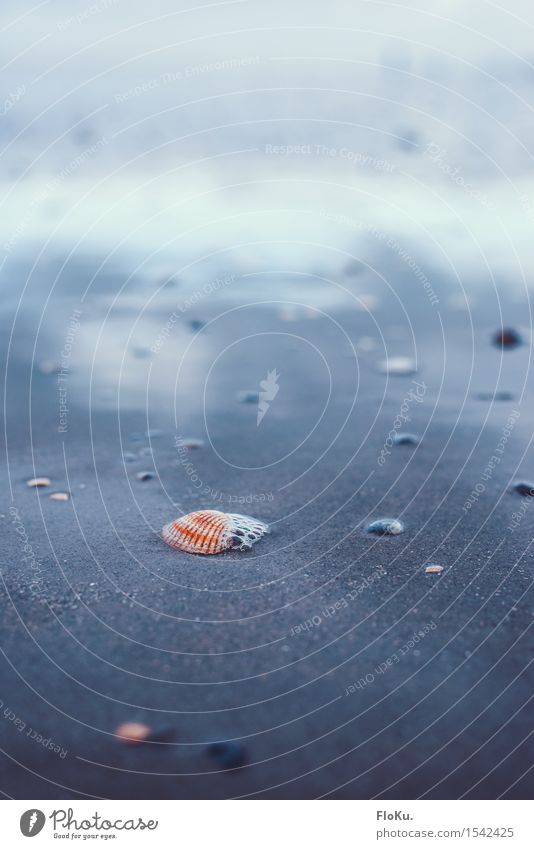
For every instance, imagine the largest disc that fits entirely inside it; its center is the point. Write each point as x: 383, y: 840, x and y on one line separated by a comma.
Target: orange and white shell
x: 211, y: 531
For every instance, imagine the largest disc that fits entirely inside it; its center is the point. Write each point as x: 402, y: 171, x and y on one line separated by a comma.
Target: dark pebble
x: 524, y: 488
x: 195, y: 324
x: 501, y: 395
x: 145, y: 476
x: 388, y: 527
x: 249, y: 396
x: 507, y: 337
x: 405, y: 439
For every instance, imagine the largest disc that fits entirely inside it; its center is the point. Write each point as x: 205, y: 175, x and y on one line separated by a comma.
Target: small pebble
x: 195, y: 324
x: 136, y: 437
x: 367, y: 303
x: 248, y: 396
x: 366, y: 343
x: 500, y: 395
x: 39, y: 482
x: 405, y: 439
x: 129, y: 457
x: 144, y: 476
x: 387, y: 527
x: 59, y: 496
x: 354, y: 267
x: 228, y: 755
x: 132, y: 732
x: 398, y: 366
x: 140, y: 352
x: 434, y: 569
x: 49, y: 367
x: 191, y: 442
x: 524, y: 488
x: 507, y: 337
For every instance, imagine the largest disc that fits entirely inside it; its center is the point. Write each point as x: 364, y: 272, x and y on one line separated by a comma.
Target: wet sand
x: 341, y: 667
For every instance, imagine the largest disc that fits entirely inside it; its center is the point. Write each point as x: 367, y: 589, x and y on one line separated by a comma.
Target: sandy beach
x: 336, y: 666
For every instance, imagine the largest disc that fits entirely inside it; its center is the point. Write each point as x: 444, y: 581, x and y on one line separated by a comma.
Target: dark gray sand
x: 327, y: 653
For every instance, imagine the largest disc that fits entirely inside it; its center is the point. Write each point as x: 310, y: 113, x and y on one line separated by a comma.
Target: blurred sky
x: 154, y: 127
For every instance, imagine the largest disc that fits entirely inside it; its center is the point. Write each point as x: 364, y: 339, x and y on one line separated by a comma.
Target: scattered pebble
x: 136, y: 437
x: 367, y: 303
x: 500, y: 395
x: 59, y: 496
x: 507, y: 337
x: 132, y: 732
x: 524, y: 488
x: 144, y: 476
x: 354, y: 267
x: 405, y: 439
x: 141, y: 436
x: 388, y: 527
x: 398, y: 366
x: 248, y: 396
x: 433, y: 569
x: 141, y: 352
x: 195, y: 324
x: 49, y: 367
x: 228, y: 755
x: 366, y: 343
x: 191, y: 442
x: 39, y: 482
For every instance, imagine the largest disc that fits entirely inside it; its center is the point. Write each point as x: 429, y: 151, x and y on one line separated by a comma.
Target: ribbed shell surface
x: 201, y: 532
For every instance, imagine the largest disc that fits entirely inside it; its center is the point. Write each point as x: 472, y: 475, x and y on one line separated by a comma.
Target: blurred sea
x: 246, y: 137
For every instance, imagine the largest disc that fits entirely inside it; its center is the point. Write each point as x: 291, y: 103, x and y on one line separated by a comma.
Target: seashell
x: 132, y: 732
x: 59, y: 496
x: 211, y: 531
x: 388, y: 527
x: 39, y: 482
x: 434, y: 569
x: 190, y: 442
